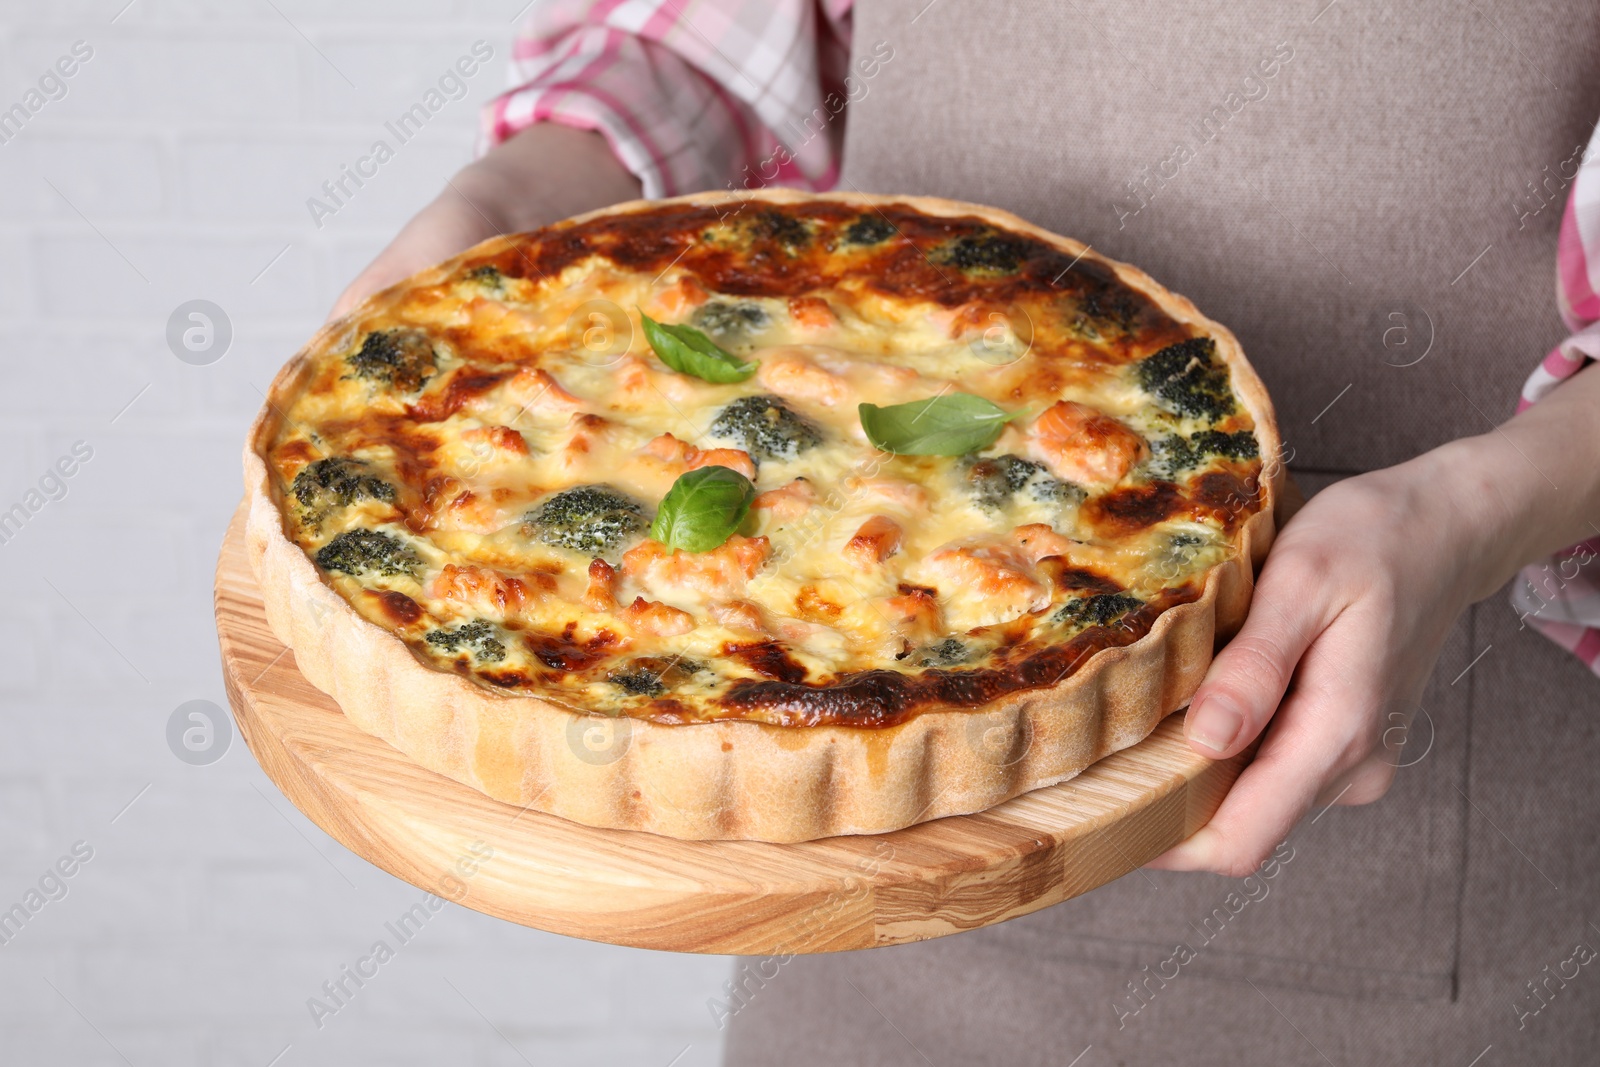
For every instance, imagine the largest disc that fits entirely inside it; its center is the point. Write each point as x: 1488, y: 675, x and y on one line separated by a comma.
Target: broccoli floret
x: 868, y: 230
x: 336, y: 482
x: 360, y: 551
x: 1170, y: 456
x: 990, y: 252
x: 1238, y: 445
x: 731, y: 323
x: 1187, y: 378
x: 765, y: 427
x: 1178, y: 557
x: 996, y: 480
x: 1181, y: 551
x: 1097, y: 610
x: 489, y: 277
x: 1103, y: 313
x: 639, y: 683
x: 786, y: 230
x: 947, y: 653
x: 401, y: 358
x: 652, y: 675
x: 1049, y: 490
x: 592, y: 519
x: 477, y: 637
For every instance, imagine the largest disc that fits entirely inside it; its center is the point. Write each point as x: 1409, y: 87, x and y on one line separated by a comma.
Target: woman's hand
x: 1354, y: 603
x: 543, y: 174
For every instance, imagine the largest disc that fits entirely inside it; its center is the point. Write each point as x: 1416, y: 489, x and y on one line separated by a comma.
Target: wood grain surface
x: 744, y: 897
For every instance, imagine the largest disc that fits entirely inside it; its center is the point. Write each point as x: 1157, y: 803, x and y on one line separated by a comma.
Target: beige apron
x: 1369, y: 195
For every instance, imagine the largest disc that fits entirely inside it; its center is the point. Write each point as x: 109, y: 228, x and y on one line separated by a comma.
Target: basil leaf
x: 702, y: 509
x: 949, y: 425
x: 688, y: 351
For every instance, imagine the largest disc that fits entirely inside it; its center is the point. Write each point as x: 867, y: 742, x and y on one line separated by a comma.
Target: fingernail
x: 1214, y: 723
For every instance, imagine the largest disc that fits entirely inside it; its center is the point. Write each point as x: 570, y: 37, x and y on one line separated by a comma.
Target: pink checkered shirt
x: 747, y: 93
x: 742, y: 94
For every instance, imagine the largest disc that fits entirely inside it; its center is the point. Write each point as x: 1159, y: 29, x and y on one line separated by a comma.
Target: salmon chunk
x: 1080, y: 444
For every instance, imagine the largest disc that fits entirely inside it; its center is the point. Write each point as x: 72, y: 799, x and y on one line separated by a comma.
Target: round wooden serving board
x: 743, y: 897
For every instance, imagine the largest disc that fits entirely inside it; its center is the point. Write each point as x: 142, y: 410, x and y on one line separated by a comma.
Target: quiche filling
x: 802, y: 464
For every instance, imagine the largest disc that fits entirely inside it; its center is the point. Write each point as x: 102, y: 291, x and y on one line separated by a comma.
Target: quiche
x: 764, y: 516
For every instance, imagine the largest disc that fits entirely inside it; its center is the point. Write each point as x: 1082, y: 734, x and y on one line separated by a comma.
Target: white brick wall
x: 177, y: 167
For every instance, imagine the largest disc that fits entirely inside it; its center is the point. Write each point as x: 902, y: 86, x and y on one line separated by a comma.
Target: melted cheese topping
x: 851, y: 560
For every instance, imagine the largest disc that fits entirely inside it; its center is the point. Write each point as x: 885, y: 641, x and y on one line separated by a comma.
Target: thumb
x: 450, y: 224
x: 1249, y: 677
x: 380, y: 274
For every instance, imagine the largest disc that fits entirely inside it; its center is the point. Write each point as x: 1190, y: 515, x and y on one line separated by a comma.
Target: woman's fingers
x: 1345, y: 625
x: 546, y: 172
x: 1249, y: 676
x: 450, y: 224
x: 1315, y: 751
x: 1368, y: 782
x: 1259, y: 811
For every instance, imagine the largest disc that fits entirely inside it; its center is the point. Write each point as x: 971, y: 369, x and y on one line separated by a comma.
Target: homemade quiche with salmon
x: 764, y: 516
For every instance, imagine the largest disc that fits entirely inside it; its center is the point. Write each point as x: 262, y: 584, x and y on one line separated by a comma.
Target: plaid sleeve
x: 1560, y: 596
x: 691, y: 94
